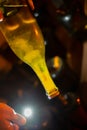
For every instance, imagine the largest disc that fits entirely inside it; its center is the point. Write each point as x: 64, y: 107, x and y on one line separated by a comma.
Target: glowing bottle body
x: 25, y: 39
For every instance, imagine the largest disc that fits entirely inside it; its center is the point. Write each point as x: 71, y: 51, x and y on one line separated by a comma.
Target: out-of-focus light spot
x: 36, y: 14
x: 66, y: 96
x: 27, y: 112
x: 66, y: 18
x: 1, y: 19
x: 78, y: 100
x: 20, y: 92
x: 45, y: 42
x: 56, y: 62
x: 85, y: 26
x: 53, y: 75
x: 44, y: 123
x: 60, y: 11
x: 68, y: 55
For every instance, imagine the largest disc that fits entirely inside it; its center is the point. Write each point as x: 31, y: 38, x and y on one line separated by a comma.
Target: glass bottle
x: 26, y: 40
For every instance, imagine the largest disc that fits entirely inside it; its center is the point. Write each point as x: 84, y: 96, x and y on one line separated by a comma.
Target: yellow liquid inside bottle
x: 25, y: 39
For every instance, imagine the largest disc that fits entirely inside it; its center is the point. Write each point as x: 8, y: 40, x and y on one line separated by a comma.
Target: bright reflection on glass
x: 28, y: 112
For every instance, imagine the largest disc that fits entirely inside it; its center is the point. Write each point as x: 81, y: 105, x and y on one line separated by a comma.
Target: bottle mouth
x: 53, y: 94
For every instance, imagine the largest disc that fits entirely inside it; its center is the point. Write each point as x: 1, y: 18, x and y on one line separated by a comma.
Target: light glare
x: 67, y: 18
x: 28, y: 112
